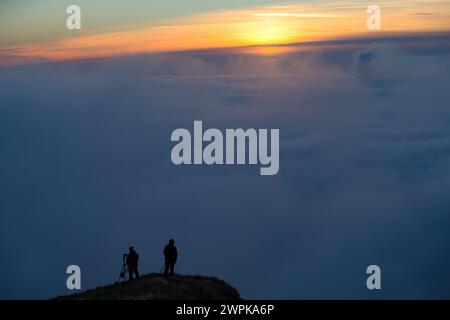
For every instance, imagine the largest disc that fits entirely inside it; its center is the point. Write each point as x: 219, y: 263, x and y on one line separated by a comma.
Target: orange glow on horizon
x: 245, y: 27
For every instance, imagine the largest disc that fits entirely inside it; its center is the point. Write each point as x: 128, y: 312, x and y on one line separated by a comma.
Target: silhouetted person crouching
x: 132, y: 263
x: 170, y: 255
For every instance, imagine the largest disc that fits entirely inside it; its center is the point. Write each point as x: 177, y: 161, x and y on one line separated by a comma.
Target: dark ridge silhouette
x: 155, y: 286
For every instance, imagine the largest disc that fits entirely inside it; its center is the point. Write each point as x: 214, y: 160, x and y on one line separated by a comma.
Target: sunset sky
x: 36, y: 29
x: 364, y: 122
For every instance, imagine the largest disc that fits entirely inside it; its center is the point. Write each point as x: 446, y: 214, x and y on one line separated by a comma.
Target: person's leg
x: 172, y: 265
x: 136, y: 271
x: 130, y: 273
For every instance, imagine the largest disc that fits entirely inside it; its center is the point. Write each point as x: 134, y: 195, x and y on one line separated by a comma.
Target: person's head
x: 171, y: 242
x: 131, y: 249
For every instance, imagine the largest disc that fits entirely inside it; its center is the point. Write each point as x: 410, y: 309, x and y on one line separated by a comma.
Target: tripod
x: 124, y: 270
x: 163, y: 267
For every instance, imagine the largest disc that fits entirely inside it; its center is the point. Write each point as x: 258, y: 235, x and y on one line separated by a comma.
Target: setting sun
x: 269, y: 31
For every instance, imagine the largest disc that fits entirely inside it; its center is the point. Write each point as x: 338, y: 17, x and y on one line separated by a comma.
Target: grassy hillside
x: 156, y: 287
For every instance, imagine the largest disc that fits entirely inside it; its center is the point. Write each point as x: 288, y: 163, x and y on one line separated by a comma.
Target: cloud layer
x: 364, y: 171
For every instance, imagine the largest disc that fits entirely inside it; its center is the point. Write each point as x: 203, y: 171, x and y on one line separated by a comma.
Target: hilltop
x: 156, y: 287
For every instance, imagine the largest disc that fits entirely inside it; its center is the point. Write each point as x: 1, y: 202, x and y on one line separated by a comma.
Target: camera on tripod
x: 124, y: 270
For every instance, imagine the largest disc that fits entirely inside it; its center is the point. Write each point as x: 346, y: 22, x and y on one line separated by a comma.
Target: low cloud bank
x: 364, y: 171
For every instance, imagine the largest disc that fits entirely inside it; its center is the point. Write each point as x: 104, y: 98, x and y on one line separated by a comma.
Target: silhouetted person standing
x: 132, y: 263
x: 170, y: 255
